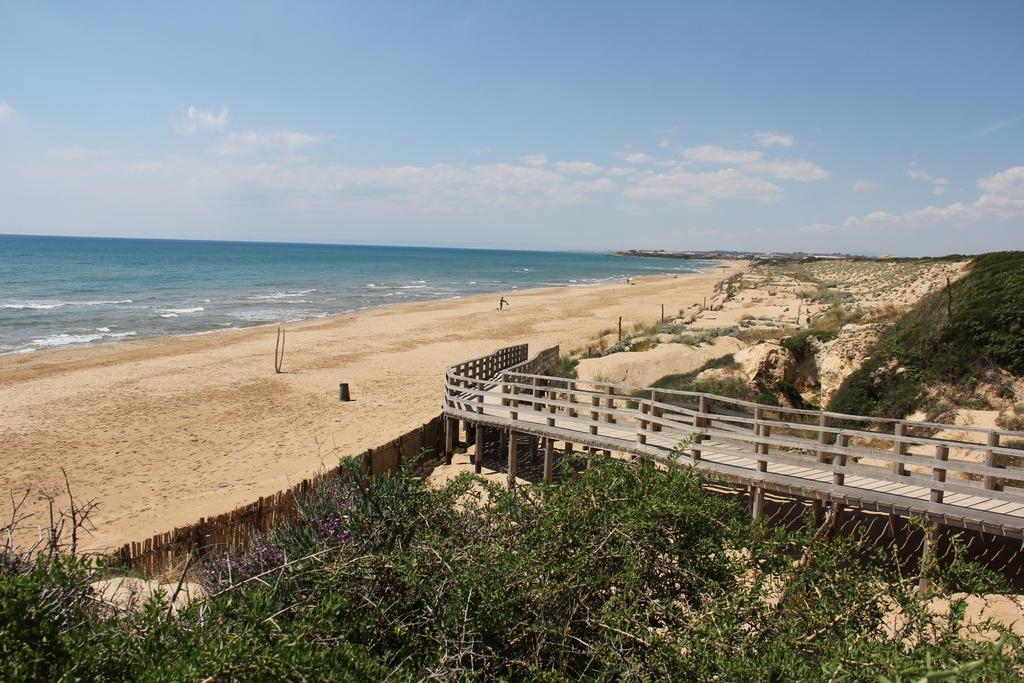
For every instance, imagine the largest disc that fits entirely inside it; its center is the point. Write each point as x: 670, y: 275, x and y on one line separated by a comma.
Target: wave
x: 282, y: 295
x: 47, y: 305
x: 194, y: 309
x: 34, y: 307
x: 64, y: 339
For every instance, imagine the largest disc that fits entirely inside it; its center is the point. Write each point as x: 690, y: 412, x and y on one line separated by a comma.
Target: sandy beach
x: 161, y: 432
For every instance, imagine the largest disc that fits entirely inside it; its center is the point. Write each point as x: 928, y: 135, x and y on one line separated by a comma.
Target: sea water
x: 69, y: 291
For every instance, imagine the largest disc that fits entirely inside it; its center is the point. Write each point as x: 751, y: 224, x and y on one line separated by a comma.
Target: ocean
x: 70, y: 291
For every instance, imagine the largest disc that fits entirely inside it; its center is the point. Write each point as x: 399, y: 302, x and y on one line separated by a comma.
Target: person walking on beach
x: 503, y: 303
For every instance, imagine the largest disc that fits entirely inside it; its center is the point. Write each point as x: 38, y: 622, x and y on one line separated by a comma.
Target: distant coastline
x: 725, y: 255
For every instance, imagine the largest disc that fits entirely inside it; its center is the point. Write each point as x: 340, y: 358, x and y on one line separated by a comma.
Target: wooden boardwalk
x: 893, y: 466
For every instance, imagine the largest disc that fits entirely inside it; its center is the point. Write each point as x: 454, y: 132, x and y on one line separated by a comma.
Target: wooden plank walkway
x: 892, y: 466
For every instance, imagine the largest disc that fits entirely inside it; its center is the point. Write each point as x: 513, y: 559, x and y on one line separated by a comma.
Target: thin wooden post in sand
x: 620, y: 328
x: 279, y: 351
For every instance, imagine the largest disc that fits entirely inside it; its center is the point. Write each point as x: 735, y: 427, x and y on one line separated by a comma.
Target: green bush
x: 625, y: 571
x: 984, y: 328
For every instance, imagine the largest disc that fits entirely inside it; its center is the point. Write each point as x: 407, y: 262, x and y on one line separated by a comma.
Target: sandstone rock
x: 836, y: 360
x: 766, y: 364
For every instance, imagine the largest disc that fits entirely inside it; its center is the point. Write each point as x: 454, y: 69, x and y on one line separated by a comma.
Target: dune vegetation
x: 624, y: 570
x: 954, y: 336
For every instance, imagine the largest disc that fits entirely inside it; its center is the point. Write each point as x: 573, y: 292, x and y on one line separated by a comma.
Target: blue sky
x: 866, y: 127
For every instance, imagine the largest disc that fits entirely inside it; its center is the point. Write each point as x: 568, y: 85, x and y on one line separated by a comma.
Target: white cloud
x: 784, y: 169
x: 635, y: 157
x: 283, y: 143
x: 702, y: 189
x: 578, y: 167
x: 865, y: 186
x: 437, y: 188
x: 754, y: 163
x: 939, y: 185
x: 534, y: 159
x: 195, y: 120
x: 6, y: 111
x: 719, y: 155
x: 1001, y: 197
x: 621, y: 171
x: 768, y: 139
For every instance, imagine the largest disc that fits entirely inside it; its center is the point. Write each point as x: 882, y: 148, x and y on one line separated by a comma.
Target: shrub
x: 626, y: 571
x: 983, y: 328
x: 644, y: 344
x: 565, y: 367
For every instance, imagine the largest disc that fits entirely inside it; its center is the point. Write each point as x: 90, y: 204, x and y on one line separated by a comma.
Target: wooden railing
x: 876, y: 463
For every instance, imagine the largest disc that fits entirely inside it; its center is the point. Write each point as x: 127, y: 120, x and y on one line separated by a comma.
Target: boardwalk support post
x: 513, y: 458
x: 478, y: 461
x: 549, y: 460
x: 699, y: 422
x: 450, y: 425
x: 839, y: 478
x: 819, y: 506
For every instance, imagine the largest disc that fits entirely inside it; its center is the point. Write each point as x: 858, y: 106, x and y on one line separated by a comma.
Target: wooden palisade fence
x: 233, y: 530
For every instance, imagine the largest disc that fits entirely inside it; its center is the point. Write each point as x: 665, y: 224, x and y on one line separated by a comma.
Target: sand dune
x: 161, y: 432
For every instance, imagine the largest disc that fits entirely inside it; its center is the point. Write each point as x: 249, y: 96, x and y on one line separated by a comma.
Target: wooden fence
x: 233, y: 530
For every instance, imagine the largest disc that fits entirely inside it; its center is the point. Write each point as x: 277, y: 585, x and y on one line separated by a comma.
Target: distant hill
x: 951, y: 337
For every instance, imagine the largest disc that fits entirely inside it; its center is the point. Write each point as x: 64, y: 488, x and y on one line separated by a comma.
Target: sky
x: 869, y: 127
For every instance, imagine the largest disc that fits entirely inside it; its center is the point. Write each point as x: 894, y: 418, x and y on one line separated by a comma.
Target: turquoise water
x: 68, y: 291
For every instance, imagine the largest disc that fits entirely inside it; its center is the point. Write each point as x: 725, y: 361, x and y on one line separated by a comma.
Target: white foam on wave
x: 282, y: 295
x: 64, y: 339
x: 34, y: 306
x: 168, y: 315
x: 47, y: 305
x: 194, y: 309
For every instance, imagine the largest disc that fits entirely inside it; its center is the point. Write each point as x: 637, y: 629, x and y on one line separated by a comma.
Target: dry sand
x: 161, y: 432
